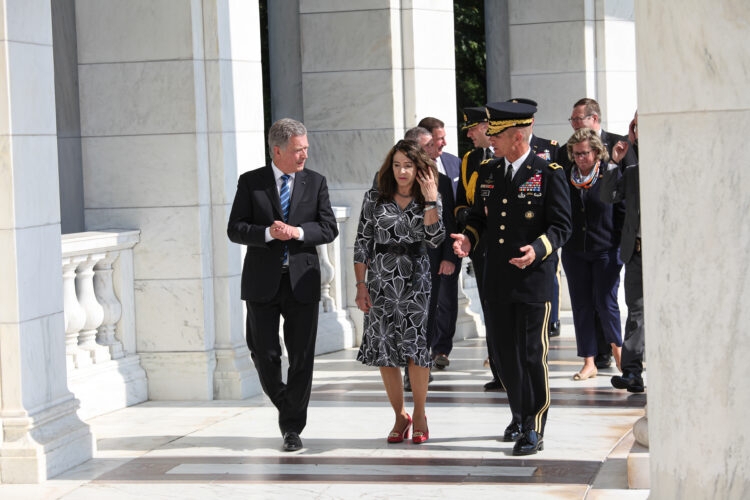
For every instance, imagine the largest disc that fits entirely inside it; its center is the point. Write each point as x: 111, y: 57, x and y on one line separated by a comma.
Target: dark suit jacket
x: 621, y: 182
x: 452, y: 169
x: 445, y: 250
x: 256, y: 205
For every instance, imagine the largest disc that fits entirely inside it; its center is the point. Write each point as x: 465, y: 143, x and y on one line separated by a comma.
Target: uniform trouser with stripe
x: 520, y: 344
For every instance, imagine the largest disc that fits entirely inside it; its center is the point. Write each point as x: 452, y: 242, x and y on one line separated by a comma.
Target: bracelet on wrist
x: 430, y: 203
x: 361, y: 282
x: 430, y: 207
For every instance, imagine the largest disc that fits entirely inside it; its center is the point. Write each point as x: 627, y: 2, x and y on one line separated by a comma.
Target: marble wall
x: 369, y: 71
x: 562, y: 51
x: 693, y: 103
x: 170, y: 98
x: 41, y: 433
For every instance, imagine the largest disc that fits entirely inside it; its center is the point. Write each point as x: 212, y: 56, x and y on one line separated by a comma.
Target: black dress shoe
x: 528, y: 444
x: 512, y: 432
x: 603, y: 360
x: 629, y: 381
x: 494, y: 385
x: 292, y: 442
x: 441, y: 361
x: 554, y: 329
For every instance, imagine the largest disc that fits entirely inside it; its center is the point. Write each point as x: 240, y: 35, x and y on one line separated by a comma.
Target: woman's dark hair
x: 387, y: 185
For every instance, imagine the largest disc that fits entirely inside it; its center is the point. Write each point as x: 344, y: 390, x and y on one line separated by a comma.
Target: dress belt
x: 411, y: 249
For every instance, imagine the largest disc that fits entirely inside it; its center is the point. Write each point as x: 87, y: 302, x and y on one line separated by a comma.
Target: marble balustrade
x: 104, y: 371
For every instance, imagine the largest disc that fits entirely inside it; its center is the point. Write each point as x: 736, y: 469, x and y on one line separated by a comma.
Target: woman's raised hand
x: 428, y: 183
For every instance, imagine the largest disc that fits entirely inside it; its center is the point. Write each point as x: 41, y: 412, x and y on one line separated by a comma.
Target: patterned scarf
x: 581, y: 182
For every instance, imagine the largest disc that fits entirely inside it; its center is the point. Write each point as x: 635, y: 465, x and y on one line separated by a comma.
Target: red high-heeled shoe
x: 398, y: 437
x: 419, y: 437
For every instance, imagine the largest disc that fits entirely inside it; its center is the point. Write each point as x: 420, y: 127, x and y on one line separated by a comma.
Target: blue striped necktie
x: 285, y: 196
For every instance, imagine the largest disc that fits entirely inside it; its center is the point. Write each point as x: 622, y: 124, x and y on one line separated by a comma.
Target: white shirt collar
x: 277, y: 173
x: 519, y: 161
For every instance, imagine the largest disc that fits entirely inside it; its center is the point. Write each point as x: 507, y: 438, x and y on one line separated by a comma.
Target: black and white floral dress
x: 399, y: 285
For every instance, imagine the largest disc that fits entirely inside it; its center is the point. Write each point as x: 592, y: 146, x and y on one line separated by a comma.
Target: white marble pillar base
x: 638, y: 467
x: 109, y: 386
x: 175, y: 376
x: 45, y: 444
x: 235, y: 376
x: 335, y: 332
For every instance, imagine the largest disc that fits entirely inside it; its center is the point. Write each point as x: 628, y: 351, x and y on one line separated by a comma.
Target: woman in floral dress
x: 398, y: 220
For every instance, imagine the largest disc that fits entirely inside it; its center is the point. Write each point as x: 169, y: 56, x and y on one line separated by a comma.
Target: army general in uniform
x: 524, y: 214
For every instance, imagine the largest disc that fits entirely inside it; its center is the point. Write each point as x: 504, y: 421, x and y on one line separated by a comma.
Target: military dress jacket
x: 535, y: 210
x: 466, y: 189
x: 544, y: 148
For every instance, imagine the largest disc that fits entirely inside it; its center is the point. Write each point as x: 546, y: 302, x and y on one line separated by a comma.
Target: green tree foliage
x: 471, y: 80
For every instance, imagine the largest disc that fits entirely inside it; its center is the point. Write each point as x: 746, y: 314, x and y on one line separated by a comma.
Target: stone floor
x: 232, y: 449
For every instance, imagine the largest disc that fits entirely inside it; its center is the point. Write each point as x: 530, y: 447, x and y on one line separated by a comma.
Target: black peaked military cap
x: 504, y: 115
x: 523, y: 100
x: 473, y: 117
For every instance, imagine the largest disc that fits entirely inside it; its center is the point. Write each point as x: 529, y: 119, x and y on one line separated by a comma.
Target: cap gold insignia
x: 529, y: 214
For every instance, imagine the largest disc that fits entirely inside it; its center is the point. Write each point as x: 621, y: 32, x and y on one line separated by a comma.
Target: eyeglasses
x: 579, y: 119
x: 582, y: 154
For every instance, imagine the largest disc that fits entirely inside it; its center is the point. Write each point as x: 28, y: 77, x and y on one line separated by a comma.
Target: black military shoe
x: 292, y: 442
x: 494, y: 385
x: 554, y: 329
x: 529, y: 443
x: 629, y: 381
x: 603, y: 360
x: 512, y: 432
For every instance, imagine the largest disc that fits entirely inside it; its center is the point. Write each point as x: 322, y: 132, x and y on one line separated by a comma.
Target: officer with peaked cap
x: 475, y: 125
x: 524, y: 214
x: 546, y: 149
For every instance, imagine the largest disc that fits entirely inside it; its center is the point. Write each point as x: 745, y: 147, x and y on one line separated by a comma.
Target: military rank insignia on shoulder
x: 554, y: 166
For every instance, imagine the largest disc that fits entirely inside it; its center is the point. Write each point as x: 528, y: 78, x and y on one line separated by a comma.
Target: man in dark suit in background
x: 621, y: 182
x: 450, y: 268
x: 281, y: 212
x: 586, y: 113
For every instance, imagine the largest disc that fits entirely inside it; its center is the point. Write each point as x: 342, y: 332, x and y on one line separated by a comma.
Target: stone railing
x: 335, y: 328
x: 103, y: 370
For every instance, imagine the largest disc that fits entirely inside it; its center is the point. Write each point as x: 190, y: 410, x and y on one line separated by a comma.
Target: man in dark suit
x: 621, y: 182
x: 444, y: 325
x: 524, y: 213
x: 586, y: 113
x: 281, y: 212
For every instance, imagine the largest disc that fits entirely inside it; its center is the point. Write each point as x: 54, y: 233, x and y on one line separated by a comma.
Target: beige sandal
x: 581, y: 376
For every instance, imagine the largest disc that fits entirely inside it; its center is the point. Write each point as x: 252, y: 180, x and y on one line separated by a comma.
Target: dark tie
x: 284, y: 196
x: 509, y: 177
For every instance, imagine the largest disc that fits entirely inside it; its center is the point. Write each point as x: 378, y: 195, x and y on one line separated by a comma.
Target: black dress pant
x: 519, y: 344
x: 300, y: 330
x: 477, y: 260
x: 446, y: 313
x: 634, y: 343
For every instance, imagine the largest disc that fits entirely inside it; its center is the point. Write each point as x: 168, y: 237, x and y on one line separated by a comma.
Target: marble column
x: 563, y: 51
x: 41, y: 433
x: 693, y: 103
x: 497, y: 43
x: 371, y: 70
x: 171, y: 104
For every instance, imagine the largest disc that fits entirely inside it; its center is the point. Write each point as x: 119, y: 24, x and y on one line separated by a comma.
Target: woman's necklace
x: 403, y: 195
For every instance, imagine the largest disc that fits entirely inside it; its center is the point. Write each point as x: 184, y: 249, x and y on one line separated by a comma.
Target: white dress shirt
x: 277, y: 175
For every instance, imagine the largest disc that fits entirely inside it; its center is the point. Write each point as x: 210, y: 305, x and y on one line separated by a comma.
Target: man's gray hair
x: 282, y: 131
x: 414, y: 133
